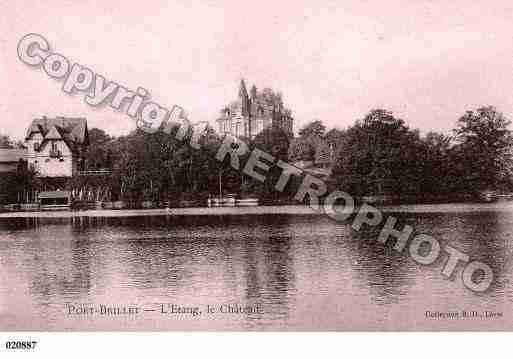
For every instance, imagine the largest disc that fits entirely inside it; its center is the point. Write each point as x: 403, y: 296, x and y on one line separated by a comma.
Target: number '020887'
x: 22, y: 345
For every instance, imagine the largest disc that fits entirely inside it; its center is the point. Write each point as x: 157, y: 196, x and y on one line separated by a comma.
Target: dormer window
x: 36, y: 146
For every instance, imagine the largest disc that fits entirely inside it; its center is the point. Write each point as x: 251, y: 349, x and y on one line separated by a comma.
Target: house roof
x: 72, y: 130
x: 53, y: 134
x: 12, y: 155
x: 74, y: 127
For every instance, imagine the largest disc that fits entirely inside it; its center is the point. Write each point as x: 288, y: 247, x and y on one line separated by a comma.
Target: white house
x: 55, y: 145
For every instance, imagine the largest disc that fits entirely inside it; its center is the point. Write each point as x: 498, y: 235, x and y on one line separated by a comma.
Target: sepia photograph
x: 255, y: 166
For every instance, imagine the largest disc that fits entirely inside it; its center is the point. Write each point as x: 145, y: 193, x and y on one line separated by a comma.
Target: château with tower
x: 253, y: 112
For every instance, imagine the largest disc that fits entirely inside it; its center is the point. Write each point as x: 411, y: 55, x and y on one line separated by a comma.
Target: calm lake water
x: 300, y: 272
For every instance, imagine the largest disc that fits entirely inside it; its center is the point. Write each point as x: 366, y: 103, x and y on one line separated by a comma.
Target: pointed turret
x: 244, y: 98
x: 253, y: 92
x: 243, y: 93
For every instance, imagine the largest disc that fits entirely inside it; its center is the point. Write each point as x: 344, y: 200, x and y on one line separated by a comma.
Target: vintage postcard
x: 256, y: 166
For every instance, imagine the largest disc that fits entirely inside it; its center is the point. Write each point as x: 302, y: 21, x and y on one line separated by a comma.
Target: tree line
x: 379, y: 155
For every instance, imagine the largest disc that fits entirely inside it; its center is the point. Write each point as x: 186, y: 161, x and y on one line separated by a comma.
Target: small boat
x: 119, y: 205
x: 107, y: 205
x: 488, y: 196
x: 246, y: 202
x: 232, y: 201
x: 226, y: 201
x: 229, y: 200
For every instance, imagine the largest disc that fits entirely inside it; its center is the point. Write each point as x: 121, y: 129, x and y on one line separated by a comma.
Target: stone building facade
x: 252, y: 112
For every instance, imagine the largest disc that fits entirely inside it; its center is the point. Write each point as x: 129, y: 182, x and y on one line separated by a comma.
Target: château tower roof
x: 254, y: 92
x: 243, y: 92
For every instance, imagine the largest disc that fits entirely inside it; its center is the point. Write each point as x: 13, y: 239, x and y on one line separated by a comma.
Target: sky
x: 427, y: 61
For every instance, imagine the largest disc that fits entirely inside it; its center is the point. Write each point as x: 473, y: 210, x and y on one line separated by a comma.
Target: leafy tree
x: 18, y: 186
x: 275, y: 142
x: 5, y: 141
x: 315, y: 128
x: 437, y: 155
x: 305, y: 146
x: 484, y: 149
x: 99, y: 152
x: 158, y: 166
x: 380, y: 155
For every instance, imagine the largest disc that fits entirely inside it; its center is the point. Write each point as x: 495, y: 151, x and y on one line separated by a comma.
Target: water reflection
x: 378, y: 268
x: 304, y: 270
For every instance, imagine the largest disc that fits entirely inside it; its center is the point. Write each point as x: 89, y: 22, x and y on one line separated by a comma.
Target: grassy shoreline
x: 260, y: 210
